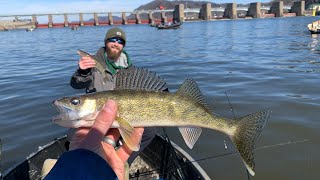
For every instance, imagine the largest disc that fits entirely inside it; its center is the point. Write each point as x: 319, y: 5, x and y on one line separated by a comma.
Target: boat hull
x: 159, y: 160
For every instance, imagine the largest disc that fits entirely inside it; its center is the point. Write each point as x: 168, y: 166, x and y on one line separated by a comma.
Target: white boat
x: 30, y: 29
x: 74, y: 27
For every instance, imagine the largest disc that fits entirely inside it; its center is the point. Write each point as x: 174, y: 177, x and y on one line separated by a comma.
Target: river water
x: 257, y: 64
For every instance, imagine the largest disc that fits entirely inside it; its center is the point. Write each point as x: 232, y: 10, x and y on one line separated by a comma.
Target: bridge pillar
x: 66, y: 22
x: 50, y: 22
x: 110, y: 18
x: 96, y: 19
x: 151, y: 19
x: 205, y: 11
x: 277, y: 9
x: 81, y: 19
x: 178, y: 13
x: 34, y: 20
x: 124, y: 18
x: 138, y: 20
x: 231, y: 11
x: 164, y: 19
x: 298, y: 8
x: 254, y: 10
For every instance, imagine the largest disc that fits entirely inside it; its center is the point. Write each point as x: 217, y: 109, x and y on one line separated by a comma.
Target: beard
x: 114, y: 53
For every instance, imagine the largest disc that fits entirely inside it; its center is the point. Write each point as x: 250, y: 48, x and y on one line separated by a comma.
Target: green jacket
x: 92, y: 80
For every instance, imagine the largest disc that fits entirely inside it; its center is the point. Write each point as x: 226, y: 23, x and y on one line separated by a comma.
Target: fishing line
x: 183, y: 165
x: 234, y: 116
x: 259, y: 148
x: 282, y: 144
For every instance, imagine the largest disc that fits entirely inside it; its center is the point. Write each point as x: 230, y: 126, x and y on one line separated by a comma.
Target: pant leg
x: 148, y: 135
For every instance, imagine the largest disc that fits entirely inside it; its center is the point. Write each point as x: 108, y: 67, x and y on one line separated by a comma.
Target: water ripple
x: 259, y: 64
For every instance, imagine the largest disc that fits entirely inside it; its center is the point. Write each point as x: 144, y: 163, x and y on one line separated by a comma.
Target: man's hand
x: 86, y: 62
x: 91, y: 139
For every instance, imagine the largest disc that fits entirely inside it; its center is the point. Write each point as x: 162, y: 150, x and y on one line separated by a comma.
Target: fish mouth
x: 64, y: 121
x: 69, y: 117
x: 66, y: 113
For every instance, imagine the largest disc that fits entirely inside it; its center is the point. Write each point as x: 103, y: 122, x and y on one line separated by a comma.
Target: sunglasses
x: 119, y: 40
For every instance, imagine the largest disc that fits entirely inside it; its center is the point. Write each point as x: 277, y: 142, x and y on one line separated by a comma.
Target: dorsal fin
x: 190, y: 88
x: 139, y: 79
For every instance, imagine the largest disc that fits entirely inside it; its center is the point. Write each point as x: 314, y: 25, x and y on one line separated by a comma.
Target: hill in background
x: 187, y: 4
x: 197, y: 4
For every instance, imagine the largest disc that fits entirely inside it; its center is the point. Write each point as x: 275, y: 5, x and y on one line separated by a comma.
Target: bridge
x: 179, y: 13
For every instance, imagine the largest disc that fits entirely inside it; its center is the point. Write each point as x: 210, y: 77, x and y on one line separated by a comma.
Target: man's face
x: 114, y: 48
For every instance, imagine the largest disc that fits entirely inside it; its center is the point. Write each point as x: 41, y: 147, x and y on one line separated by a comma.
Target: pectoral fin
x: 190, y: 135
x: 127, y: 133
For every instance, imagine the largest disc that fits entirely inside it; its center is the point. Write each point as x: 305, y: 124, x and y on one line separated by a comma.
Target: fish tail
x: 246, y: 135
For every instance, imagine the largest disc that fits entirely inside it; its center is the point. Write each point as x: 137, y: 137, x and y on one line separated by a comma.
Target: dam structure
x: 179, y: 14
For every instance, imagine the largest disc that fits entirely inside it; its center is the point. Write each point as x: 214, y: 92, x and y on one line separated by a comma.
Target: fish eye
x: 75, y: 101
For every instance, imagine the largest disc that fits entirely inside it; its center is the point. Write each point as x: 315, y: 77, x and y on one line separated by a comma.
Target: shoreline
x: 9, y: 25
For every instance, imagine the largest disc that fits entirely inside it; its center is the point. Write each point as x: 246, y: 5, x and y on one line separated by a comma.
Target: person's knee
x: 148, y: 134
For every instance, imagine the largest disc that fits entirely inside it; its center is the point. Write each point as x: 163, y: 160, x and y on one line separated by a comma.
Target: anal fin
x: 190, y: 135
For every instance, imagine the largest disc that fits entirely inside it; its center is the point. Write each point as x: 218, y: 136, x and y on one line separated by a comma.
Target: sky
x: 19, y: 7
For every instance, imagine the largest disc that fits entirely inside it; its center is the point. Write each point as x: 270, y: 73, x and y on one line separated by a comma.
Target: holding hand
x: 86, y: 62
x: 92, y: 139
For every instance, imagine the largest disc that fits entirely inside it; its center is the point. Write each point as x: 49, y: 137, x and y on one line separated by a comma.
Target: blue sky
x: 13, y: 7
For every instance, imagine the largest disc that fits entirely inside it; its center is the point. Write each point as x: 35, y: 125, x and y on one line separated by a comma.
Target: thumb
x: 102, y: 123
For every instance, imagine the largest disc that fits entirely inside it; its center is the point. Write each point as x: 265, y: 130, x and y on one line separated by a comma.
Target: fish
x: 146, y: 105
x: 98, y: 65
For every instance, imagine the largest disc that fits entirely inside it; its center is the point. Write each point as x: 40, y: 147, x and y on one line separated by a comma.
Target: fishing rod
x: 234, y: 116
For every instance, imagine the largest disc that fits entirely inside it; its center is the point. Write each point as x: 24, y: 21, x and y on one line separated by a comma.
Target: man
x: 114, y: 57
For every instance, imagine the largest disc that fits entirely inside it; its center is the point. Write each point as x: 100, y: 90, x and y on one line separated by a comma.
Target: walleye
x: 98, y: 65
x: 146, y: 105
